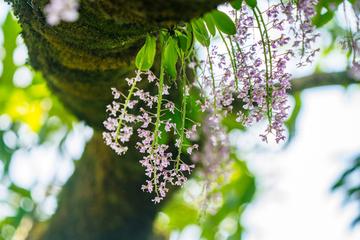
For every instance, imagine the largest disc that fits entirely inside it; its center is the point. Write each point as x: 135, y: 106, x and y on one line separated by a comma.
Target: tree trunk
x: 81, y: 61
x: 103, y: 200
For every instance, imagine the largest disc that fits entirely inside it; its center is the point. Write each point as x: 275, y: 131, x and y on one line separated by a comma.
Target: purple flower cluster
x: 262, y: 68
x: 303, y: 29
x: 215, y: 163
x: 135, y: 113
x: 255, y: 70
x: 351, y: 42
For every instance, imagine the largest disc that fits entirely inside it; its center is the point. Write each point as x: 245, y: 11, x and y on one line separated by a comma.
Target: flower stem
x: 267, y: 77
x: 128, y: 98
x: 231, y: 60
x: 159, y: 103
x: 212, y: 78
x: 183, y: 117
x: 158, y: 122
x: 267, y: 40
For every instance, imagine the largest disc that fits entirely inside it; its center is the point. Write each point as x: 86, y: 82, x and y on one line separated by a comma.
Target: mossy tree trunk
x: 81, y: 61
x: 102, y: 200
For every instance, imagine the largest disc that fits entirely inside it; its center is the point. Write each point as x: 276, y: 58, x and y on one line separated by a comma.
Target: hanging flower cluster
x: 250, y: 80
x: 142, y: 112
x: 261, y: 68
x: 215, y: 163
x: 254, y: 68
x: 213, y: 150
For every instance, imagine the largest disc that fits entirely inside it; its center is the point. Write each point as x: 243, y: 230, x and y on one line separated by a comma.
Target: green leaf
x: 330, y: 6
x: 200, y: 32
x: 180, y: 213
x: 223, y: 22
x: 210, y: 24
x: 183, y: 42
x: 230, y: 123
x: 291, y: 123
x: 19, y: 190
x: 190, y: 35
x: 236, y: 4
x: 251, y: 3
x: 321, y: 20
x: 145, y: 57
x: 170, y: 57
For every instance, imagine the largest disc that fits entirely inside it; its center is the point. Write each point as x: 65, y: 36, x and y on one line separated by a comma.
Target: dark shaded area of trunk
x: 103, y: 200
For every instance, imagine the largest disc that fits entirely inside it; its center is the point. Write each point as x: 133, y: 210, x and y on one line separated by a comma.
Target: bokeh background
x: 306, y: 188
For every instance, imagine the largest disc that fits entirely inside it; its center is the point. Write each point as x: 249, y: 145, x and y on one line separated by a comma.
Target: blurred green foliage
x: 29, y: 106
x: 326, y: 10
x: 349, y: 182
x: 217, y: 212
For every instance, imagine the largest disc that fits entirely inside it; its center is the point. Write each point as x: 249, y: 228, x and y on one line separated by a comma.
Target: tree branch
x: 322, y: 79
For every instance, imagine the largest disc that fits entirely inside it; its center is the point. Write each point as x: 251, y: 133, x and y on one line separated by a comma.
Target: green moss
x: 109, y: 206
x: 82, y: 60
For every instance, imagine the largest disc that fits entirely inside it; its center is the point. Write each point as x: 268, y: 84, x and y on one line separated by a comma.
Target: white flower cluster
x: 135, y: 114
x: 61, y: 10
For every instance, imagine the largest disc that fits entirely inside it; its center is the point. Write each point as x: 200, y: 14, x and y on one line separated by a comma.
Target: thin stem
x: 158, y: 111
x: 268, y: 97
x: 183, y: 118
x: 128, y: 98
x: 231, y: 60
x: 158, y: 120
x: 267, y: 41
x: 212, y: 77
x: 270, y: 90
x: 270, y: 60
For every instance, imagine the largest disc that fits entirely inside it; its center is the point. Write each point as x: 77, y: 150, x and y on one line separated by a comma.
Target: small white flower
x: 116, y: 93
x: 61, y: 10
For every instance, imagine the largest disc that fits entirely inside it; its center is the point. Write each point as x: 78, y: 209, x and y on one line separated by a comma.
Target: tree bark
x: 102, y: 200
x: 344, y: 78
